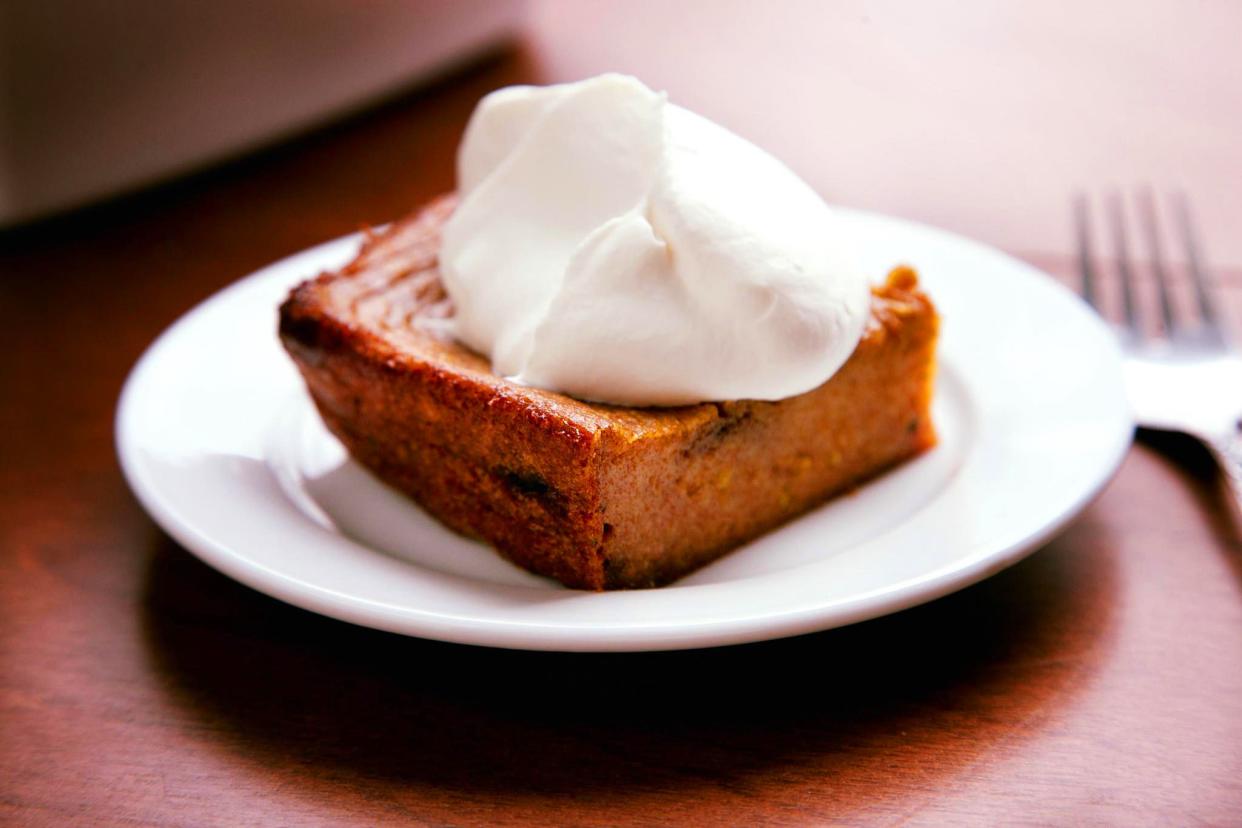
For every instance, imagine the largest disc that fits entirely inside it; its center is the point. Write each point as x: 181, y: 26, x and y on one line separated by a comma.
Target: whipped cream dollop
x: 617, y: 248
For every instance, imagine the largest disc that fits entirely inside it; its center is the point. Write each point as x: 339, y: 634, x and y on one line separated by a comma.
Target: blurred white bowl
x: 103, y: 97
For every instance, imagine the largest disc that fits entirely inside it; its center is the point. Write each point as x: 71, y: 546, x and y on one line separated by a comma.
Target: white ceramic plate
x: 221, y: 443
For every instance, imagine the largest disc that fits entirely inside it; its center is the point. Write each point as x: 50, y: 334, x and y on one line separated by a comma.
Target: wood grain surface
x: 1097, y: 682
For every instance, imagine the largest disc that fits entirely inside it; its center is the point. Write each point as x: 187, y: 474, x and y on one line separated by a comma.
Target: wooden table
x: 1098, y: 682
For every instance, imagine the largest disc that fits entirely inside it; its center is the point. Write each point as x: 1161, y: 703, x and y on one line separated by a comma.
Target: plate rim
x: 962, y: 572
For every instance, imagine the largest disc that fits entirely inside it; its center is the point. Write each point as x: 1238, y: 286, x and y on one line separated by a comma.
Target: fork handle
x: 1228, y: 451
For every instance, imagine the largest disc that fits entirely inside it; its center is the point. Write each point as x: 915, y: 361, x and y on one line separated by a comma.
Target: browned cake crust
x: 595, y: 496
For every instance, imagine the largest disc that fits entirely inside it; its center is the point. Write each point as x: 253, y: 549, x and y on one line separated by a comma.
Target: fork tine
x: 1151, y: 229
x: 1198, y: 274
x: 1086, y: 267
x: 1121, y: 252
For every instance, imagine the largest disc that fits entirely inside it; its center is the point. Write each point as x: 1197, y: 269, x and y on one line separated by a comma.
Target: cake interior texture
x: 595, y: 496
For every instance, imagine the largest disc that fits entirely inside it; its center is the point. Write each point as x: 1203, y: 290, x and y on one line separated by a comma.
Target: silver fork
x: 1186, y: 377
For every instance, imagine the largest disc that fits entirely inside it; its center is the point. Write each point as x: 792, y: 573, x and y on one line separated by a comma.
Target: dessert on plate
x: 630, y: 342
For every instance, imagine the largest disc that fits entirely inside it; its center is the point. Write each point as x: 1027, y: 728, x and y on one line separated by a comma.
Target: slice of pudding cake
x: 596, y: 496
